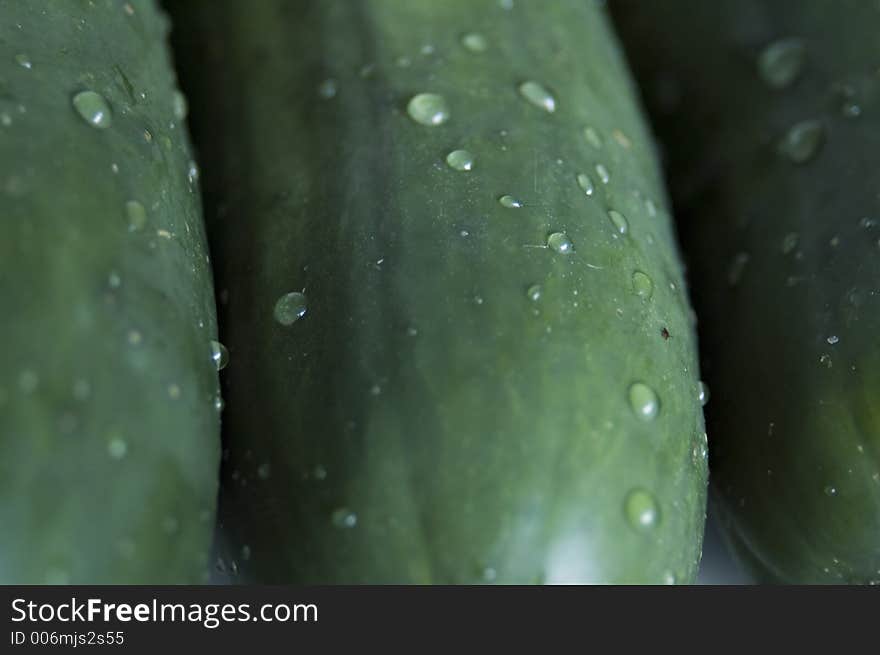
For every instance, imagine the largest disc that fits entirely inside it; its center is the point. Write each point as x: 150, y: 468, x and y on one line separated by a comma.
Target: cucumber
x: 449, y: 360
x: 109, y: 434
x: 773, y: 143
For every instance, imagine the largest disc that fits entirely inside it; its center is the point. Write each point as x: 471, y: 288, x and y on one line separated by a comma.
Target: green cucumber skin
x: 470, y: 434
x: 109, y: 438
x: 794, y: 421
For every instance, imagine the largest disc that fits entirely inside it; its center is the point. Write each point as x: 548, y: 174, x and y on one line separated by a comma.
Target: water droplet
x: 428, y: 109
x: 489, y: 574
x: 644, y: 401
x: 460, y: 160
x: 833, y: 339
x: 319, y: 472
x: 5, y: 119
x: 510, y: 202
x: 328, y: 88
x: 92, y: 108
x: 780, y: 63
x: 134, y: 337
x: 622, y: 139
x: 621, y: 225
x: 789, y: 242
x: 507, y: 5
x: 641, y: 509
x: 136, y: 214
x: 703, y: 393
x: 669, y: 578
x: 264, y: 471
x: 474, y: 42
x: 170, y: 525
x: 290, y: 308
x: 592, y: 137
x: 737, y: 267
x: 179, y: 105
x: 219, y: 355
x: 82, y: 389
x: 344, y: 518
x: 603, y: 173
x: 830, y: 491
x: 559, y: 242
x: 245, y: 552
x: 643, y: 285
x: 24, y: 61
x: 117, y: 448
x: 28, y: 381
x: 219, y: 404
x: 802, y: 141
x: 700, y: 451
x: 537, y: 95
x: 173, y: 391
x: 585, y: 183
x: 192, y: 172
x: 534, y: 292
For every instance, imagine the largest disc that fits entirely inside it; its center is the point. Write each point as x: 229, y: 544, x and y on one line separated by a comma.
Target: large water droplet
x: 136, y: 215
x: 621, y: 225
x: 510, y: 202
x: 644, y: 401
x: 290, y: 308
x: 537, y: 95
x: 641, y: 510
x: 344, y: 518
x: 643, y: 285
x: 428, y: 109
x: 460, y: 160
x: 585, y: 183
x: 802, y: 141
x: 474, y: 42
x: 93, y: 109
x: 219, y: 355
x: 780, y: 63
x: 559, y: 242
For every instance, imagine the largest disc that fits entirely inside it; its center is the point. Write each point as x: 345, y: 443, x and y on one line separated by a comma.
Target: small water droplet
x: 245, y: 552
x: 643, y: 285
x: 173, y: 391
x: 82, y: 389
x: 737, y: 267
x: 603, y: 173
x: 93, y: 109
x: 28, y: 381
x: 830, y: 491
x: 192, y: 172
x: 428, y: 109
x: 534, y: 292
x: 622, y: 139
x: 474, y: 42
x: 136, y: 215
x: 790, y: 242
x: 328, y: 88
x: 344, y: 518
x: 700, y: 451
x: 703, y: 393
x: 219, y: 355
x: 117, y: 448
x: 219, y: 404
x: 560, y: 243
x: 669, y: 578
x: 24, y: 61
x: 290, y: 308
x: 510, y: 202
x: 489, y: 574
x: 179, y: 105
x: 538, y: 95
x: 780, y: 63
x: 585, y: 183
x: 170, y: 525
x: 592, y: 137
x: 264, y: 471
x: 460, y: 160
x: 621, y: 225
x: 802, y: 141
x: 641, y: 509
x: 833, y: 339
x: 644, y: 401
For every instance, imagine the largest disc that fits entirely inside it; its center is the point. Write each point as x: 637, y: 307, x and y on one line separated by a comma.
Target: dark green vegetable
x: 495, y: 377
x: 109, y: 435
x: 770, y: 115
